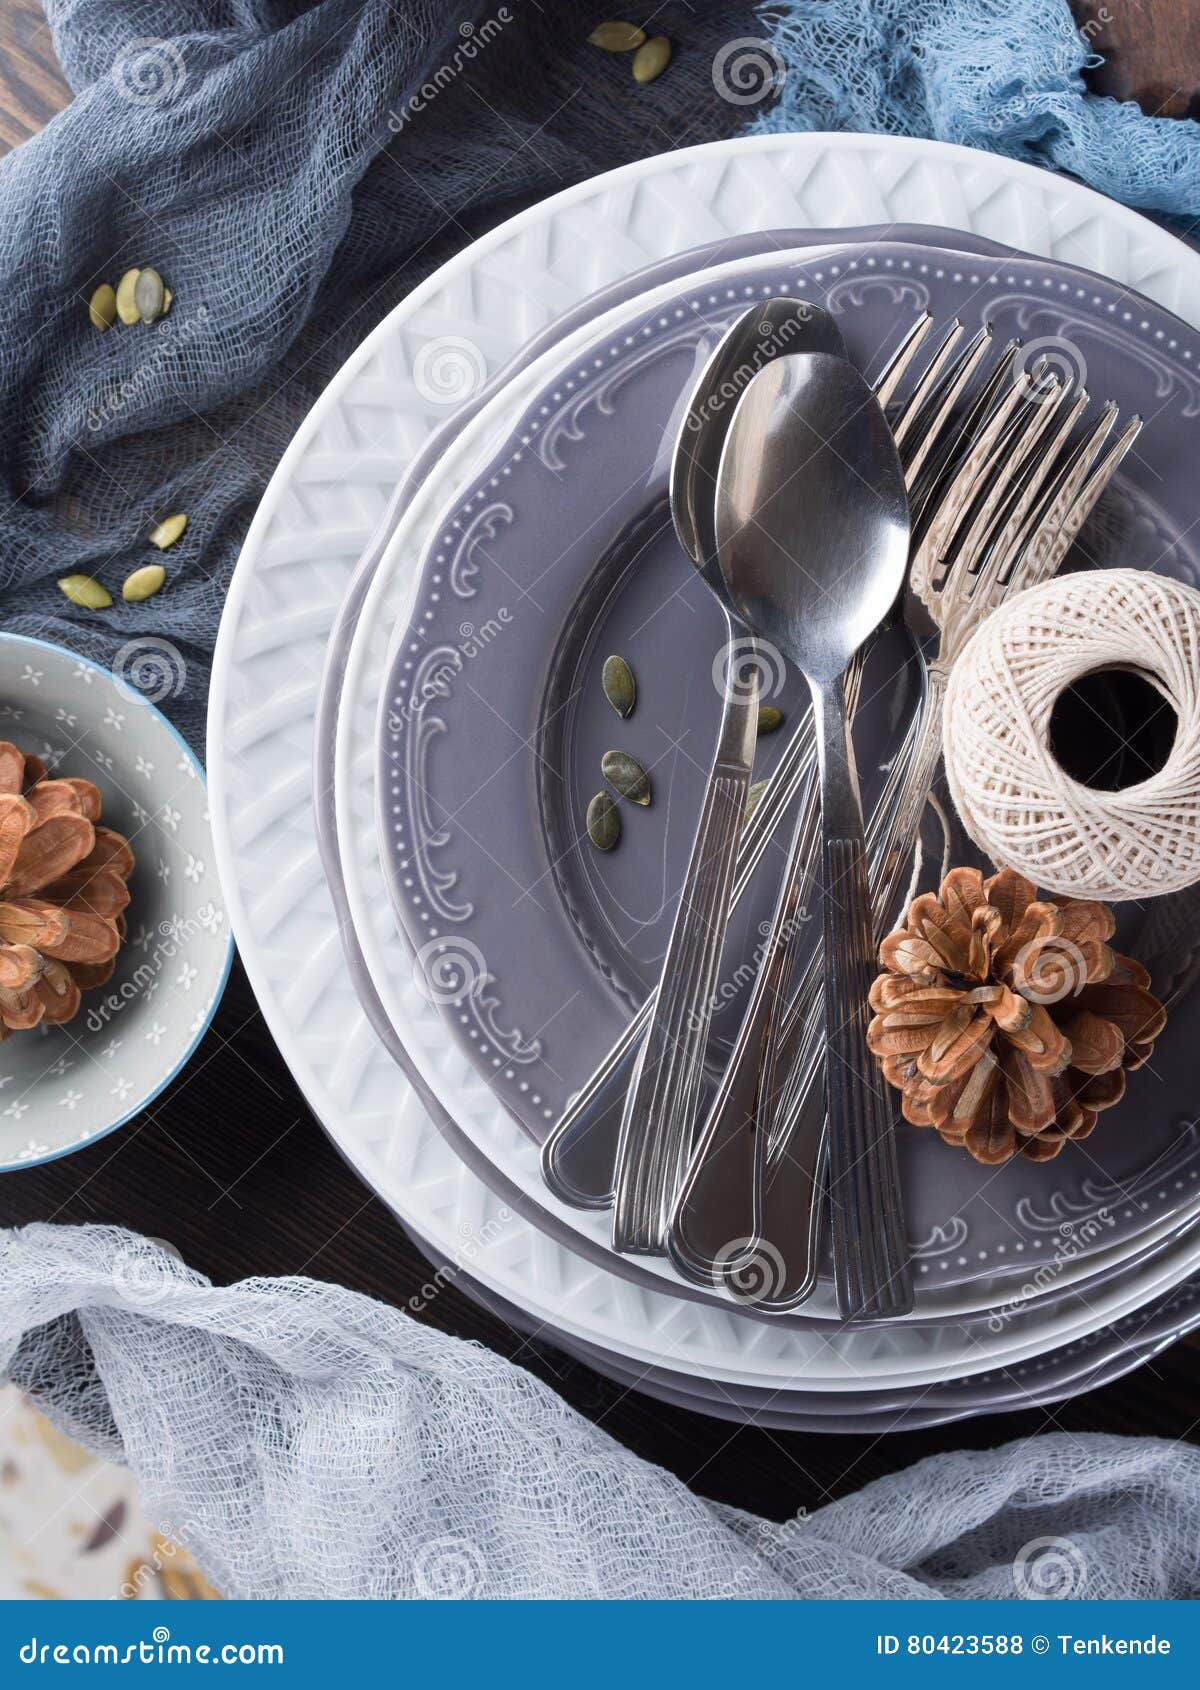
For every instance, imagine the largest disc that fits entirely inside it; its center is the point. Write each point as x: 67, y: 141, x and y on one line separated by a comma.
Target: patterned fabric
x: 71, y: 1525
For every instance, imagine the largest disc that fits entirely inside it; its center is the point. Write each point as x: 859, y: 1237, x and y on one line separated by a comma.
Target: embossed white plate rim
x: 978, y: 178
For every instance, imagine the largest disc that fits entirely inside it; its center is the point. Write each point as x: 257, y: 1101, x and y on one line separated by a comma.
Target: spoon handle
x: 580, y: 1153
x: 661, y: 1107
x: 872, y: 1276
x: 715, y: 1219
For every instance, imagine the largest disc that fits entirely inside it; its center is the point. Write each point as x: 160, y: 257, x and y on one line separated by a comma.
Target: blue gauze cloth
x: 982, y: 73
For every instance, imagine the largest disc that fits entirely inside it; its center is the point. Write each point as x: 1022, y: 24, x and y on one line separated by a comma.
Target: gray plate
x: 330, y: 695
x: 563, y: 544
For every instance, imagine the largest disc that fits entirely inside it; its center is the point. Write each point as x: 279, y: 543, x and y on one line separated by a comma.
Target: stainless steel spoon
x: 663, y: 1097
x: 760, y: 334
x: 813, y: 533
x: 715, y: 1233
x: 579, y: 1154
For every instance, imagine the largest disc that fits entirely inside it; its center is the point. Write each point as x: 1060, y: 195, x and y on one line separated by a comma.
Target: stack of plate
x: 421, y: 704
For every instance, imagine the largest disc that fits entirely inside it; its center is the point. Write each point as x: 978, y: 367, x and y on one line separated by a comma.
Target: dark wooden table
x: 231, y: 1167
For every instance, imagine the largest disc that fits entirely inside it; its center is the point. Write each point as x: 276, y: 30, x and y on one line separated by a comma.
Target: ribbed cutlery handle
x: 580, y: 1152
x: 897, y: 850
x: 717, y: 1217
x: 872, y: 1276
x: 661, y: 1107
x: 891, y: 838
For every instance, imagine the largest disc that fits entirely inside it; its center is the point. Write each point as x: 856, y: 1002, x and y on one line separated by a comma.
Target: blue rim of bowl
x: 144, y: 1102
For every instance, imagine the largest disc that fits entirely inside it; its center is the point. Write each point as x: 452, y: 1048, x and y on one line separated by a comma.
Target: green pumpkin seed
x: 651, y: 59
x: 617, y: 37
x: 603, y: 822
x: 769, y: 718
x: 102, y: 306
x: 626, y: 776
x: 144, y: 583
x: 148, y: 293
x: 168, y: 532
x: 127, y: 309
x: 87, y: 593
x: 620, y: 688
x: 754, y: 797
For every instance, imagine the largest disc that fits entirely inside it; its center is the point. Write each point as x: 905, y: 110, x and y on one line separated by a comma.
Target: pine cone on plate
x: 62, y: 891
x: 1006, y: 1020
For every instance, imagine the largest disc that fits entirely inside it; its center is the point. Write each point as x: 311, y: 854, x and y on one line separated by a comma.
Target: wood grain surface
x: 230, y: 1166
x: 32, y: 87
x: 1151, y: 52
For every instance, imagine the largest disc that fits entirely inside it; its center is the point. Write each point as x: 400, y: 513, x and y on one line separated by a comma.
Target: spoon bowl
x: 812, y: 513
x: 759, y: 336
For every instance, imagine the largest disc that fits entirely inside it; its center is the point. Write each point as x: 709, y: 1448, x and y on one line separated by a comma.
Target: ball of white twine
x: 1013, y: 796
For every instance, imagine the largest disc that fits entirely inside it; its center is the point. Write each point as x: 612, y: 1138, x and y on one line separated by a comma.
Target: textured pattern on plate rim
x: 326, y: 496
x: 1050, y: 1378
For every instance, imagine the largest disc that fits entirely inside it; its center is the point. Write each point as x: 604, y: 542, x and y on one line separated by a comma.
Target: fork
x: 746, y: 1080
x: 579, y: 1154
x: 1005, y: 522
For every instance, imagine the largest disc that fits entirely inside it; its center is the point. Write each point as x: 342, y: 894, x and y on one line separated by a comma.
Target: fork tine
x: 1001, y: 546
x: 970, y: 473
x: 911, y: 408
x: 963, y: 559
x: 943, y: 399
x: 956, y: 445
x: 1062, y: 539
x: 1034, y: 544
x: 989, y: 393
x: 897, y: 366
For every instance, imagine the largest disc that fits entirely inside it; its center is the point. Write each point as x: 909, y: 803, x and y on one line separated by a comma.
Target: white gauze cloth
x: 302, y: 1440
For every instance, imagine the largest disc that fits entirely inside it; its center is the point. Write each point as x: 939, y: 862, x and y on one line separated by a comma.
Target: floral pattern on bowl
x: 61, y: 1087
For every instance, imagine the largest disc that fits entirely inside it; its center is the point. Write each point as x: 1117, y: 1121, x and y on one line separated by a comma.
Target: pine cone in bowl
x: 1007, y: 1021
x: 62, y: 893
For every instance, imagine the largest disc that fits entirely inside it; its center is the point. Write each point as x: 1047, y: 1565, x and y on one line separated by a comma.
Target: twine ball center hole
x: 1112, y: 729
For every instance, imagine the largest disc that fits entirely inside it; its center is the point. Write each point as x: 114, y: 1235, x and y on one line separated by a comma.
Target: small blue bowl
x: 62, y: 1087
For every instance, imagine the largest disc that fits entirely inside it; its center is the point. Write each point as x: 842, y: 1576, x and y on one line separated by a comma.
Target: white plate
x: 957, y: 1346
x: 444, y: 1067
x: 332, y: 487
